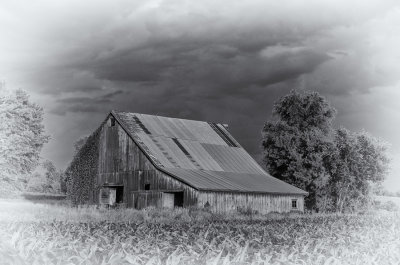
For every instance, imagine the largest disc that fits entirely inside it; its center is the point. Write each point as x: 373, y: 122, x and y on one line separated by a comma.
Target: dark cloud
x: 84, y: 104
x: 217, y: 61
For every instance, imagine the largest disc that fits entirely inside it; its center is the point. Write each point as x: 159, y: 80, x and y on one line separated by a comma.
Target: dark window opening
x: 146, y: 186
x: 112, y: 121
x: 178, y: 199
x: 119, y: 196
x: 294, y: 203
x: 134, y: 201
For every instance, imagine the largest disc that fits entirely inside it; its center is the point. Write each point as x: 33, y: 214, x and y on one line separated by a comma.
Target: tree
x: 51, y: 181
x: 359, y: 164
x: 53, y: 177
x: 297, y: 143
x: 22, y: 134
x: 336, y: 167
x: 36, y: 183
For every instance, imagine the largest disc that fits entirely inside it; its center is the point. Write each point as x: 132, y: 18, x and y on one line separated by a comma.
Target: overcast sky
x: 222, y: 61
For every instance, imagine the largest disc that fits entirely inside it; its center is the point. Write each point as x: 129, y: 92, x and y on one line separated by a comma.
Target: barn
x: 138, y: 160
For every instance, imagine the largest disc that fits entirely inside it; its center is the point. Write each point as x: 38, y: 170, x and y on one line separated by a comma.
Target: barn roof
x: 201, y: 154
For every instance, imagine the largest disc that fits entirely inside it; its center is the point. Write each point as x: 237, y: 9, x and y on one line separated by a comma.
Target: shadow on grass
x: 45, y: 198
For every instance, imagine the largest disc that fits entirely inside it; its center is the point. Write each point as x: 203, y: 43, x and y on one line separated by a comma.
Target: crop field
x: 34, y: 233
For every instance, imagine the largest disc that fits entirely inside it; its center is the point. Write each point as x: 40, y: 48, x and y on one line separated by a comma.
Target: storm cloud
x: 223, y: 61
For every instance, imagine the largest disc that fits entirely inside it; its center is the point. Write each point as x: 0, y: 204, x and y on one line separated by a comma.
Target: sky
x: 222, y: 61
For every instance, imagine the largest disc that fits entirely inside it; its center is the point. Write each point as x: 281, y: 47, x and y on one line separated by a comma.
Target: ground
x: 51, y: 232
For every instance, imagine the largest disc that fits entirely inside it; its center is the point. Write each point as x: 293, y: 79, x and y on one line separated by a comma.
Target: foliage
x: 54, y: 177
x: 155, y: 236
x: 22, y: 134
x: 49, y: 182
x: 358, y: 161
x: 82, y: 171
x: 305, y: 111
x: 336, y: 167
x: 379, y: 190
x: 297, y: 145
x: 36, y: 183
x: 79, y: 144
x: 386, y: 205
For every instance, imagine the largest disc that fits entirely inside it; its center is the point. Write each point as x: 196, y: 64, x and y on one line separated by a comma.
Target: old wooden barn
x: 143, y: 160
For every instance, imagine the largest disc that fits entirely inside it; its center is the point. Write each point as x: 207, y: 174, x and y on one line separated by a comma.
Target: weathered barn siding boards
x: 121, y: 162
x: 223, y: 202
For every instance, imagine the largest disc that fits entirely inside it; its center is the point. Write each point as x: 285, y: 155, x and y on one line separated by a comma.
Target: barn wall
x: 262, y: 203
x: 121, y: 162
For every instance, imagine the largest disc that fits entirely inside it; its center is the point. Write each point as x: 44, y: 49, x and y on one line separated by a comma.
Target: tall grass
x: 52, y: 234
x: 56, y: 210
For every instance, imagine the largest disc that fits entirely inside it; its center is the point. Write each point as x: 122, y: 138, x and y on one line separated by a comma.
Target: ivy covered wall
x: 82, y: 172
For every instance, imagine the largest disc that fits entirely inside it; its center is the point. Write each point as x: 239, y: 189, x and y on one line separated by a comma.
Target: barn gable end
x: 123, y: 164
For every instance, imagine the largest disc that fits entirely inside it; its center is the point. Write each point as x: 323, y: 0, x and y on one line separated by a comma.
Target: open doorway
x: 172, y: 199
x: 178, y: 200
x: 119, y: 196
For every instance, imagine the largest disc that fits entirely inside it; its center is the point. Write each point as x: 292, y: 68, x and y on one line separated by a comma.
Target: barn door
x: 104, y: 196
x: 113, y: 196
x: 107, y: 196
x: 168, y: 200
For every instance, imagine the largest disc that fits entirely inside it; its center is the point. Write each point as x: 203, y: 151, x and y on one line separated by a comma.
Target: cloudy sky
x: 223, y: 61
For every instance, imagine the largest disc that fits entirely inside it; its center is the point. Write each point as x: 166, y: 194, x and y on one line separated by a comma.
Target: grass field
x: 54, y: 233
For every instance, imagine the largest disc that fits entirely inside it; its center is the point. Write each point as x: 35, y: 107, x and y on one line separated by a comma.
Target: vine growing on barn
x: 82, y: 171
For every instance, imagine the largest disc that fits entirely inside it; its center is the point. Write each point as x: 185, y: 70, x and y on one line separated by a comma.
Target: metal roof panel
x: 201, y: 156
x: 195, y: 153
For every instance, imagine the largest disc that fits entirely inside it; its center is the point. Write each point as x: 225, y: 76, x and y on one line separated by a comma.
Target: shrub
x: 388, y: 206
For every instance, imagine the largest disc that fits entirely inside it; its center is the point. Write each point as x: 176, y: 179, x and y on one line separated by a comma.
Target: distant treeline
x: 388, y: 193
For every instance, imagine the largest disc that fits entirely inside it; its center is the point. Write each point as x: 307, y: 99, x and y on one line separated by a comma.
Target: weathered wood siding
x: 147, y: 199
x: 262, y: 203
x: 121, y: 162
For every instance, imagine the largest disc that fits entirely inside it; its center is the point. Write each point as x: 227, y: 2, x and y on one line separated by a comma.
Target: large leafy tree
x: 22, y: 134
x: 336, y: 167
x: 297, y: 143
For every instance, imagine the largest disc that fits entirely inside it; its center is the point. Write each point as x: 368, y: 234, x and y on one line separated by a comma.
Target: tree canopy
x: 335, y: 166
x: 22, y: 134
